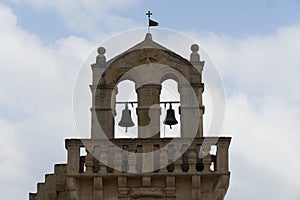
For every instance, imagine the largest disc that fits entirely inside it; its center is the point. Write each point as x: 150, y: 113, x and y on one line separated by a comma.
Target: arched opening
x: 126, y: 93
x: 169, y: 92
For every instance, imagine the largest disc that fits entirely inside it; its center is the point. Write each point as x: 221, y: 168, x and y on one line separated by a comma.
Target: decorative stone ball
x: 195, y: 48
x: 101, y: 50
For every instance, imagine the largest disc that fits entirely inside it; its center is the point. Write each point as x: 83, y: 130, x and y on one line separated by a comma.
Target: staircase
x: 54, y: 187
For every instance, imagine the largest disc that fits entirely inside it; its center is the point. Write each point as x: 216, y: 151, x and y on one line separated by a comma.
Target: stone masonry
x: 148, y: 167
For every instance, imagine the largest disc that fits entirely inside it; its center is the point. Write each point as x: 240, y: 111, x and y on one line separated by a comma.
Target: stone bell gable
x: 149, y: 167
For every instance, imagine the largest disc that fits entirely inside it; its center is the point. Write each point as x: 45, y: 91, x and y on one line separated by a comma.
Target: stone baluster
x: 89, y: 162
x: 148, y: 158
x: 199, y: 165
x: 118, y: 161
x: 139, y: 158
x: 185, y: 164
x: 111, y: 158
x: 96, y: 155
x: 103, y: 158
x: 125, y: 153
x: 171, y: 152
x: 96, y: 166
x: 132, y: 162
x: 206, y: 158
x: 177, y: 157
x: 163, y: 159
x: 81, y: 164
x: 156, y: 158
x: 192, y: 159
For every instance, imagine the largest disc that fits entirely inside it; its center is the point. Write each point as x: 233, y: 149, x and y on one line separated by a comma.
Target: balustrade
x: 151, y: 155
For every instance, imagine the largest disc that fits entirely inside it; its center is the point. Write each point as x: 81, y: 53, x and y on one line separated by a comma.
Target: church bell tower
x: 149, y: 166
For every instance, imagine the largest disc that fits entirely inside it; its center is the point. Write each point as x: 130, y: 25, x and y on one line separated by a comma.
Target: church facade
x: 149, y: 166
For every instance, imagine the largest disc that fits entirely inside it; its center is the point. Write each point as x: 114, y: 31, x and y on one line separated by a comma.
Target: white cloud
x: 263, y: 111
x: 259, y: 64
x: 11, y: 157
x: 91, y: 17
x: 36, y: 84
x: 267, y: 137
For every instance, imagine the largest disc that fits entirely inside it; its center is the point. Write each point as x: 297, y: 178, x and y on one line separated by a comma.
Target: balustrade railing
x: 177, y: 155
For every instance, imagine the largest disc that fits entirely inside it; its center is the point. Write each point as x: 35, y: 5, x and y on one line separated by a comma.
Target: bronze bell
x: 170, y: 118
x: 126, y: 120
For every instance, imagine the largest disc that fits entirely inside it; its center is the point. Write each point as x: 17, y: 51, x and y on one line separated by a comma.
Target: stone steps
x: 54, y: 187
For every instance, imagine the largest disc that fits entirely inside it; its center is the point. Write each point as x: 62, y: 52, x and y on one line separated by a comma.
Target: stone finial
x: 148, y: 36
x: 195, y: 57
x: 101, y: 59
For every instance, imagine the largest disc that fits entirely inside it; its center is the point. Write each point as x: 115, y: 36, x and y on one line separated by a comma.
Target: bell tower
x: 148, y: 64
x: 149, y: 166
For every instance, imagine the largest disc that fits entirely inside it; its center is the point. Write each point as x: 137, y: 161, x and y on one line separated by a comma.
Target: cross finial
x: 149, y: 14
x: 150, y: 22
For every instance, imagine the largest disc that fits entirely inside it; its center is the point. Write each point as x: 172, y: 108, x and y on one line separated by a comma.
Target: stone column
x: 198, y: 90
x: 122, y: 185
x: 196, y: 187
x: 148, y: 110
x: 72, y: 188
x: 73, y: 158
x: 97, y: 70
x: 170, y: 185
x: 146, y: 181
x: 100, y: 65
x: 104, y: 106
x: 222, y: 156
x: 190, y: 115
x: 195, y: 59
x: 196, y: 82
x: 98, y: 188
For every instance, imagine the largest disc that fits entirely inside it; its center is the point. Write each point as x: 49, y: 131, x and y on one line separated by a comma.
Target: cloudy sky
x: 254, y: 44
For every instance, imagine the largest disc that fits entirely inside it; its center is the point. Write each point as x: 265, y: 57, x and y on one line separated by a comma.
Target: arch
x: 126, y: 93
x: 129, y: 60
x: 148, y: 68
x: 170, y: 92
x: 169, y: 76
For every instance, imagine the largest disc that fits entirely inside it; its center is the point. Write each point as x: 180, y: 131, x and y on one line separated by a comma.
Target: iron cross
x: 149, y: 14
